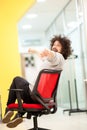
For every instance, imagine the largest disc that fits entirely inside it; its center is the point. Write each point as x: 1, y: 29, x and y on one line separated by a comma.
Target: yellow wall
x: 10, y: 12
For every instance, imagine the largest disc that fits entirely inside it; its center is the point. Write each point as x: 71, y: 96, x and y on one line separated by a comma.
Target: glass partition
x: 60, y: 25
x: 70, y: 15
x: 70, y: 22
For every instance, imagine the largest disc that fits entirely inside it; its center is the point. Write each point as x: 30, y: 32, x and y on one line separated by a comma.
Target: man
x: 53, y: 58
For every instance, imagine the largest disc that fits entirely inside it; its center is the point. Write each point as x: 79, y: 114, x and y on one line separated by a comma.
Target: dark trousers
x: 20, y: 83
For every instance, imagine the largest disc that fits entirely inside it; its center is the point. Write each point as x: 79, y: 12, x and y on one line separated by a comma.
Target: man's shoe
x: 15, y: 122
x: 7, y: 116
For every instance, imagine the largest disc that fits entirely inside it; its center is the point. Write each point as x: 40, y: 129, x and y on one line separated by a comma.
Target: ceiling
x: 46, y: 13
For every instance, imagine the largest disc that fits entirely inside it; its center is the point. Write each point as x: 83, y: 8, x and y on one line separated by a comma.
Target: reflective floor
x: 58, y: 121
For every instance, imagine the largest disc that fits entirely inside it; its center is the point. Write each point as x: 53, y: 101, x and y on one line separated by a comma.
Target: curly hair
x: 66, y: 45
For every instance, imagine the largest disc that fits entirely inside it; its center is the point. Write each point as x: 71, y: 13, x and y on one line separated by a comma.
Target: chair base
x: 38, y: 129
x: 36, y: 125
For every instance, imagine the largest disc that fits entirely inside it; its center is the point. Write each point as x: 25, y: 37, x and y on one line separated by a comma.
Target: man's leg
x: 18, y: 83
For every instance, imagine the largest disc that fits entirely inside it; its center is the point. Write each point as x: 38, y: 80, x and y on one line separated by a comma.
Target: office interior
x: 70, y: 21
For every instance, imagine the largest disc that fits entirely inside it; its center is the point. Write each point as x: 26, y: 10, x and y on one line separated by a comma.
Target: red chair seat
x: 24, y: 105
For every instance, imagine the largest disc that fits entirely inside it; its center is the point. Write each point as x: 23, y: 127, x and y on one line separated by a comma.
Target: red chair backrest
x: 48, y: 82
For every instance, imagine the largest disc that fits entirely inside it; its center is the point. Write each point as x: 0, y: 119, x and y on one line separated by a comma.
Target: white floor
x: 58, y: 121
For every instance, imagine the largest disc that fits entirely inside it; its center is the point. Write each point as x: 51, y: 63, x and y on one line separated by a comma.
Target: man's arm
x: 44, y: 53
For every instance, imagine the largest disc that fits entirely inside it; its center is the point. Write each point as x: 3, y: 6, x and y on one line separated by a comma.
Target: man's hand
x: 47, y: 53
x: 30, y: 50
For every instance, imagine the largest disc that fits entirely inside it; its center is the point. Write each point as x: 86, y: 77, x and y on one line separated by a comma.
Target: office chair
x: 44, y: 93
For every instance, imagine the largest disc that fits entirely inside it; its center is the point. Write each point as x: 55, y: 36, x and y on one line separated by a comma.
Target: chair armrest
x: 42, y: 103
x: 20, y: 90
x: 17, y: 91
x: 47, y: 105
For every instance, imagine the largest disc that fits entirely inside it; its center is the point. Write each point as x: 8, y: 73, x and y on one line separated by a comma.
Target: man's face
x: 57, y: 47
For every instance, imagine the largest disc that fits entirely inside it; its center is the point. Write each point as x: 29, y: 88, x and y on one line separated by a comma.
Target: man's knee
x: 20, y: 81
x: 17, y: 78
